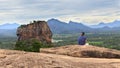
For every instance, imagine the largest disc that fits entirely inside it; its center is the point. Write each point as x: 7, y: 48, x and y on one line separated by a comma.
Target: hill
x: 21, y: 59
x: 8, y: 30
x: 4, y: 33
x: 59, y: 27
x: 113, y: 24
x: 9, y: 26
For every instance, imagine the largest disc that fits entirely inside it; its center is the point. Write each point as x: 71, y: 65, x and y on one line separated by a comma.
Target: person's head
x: 82, y: 33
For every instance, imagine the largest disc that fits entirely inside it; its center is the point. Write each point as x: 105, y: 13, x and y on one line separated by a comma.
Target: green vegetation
x: 0, y: 43
x: 7, y: 42
x: 30, y: 45
x: 33, y: 45
x: 108, y: 40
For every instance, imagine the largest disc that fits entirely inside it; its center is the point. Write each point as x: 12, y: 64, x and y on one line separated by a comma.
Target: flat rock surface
x: 21, y: 59
x: 87, y: 51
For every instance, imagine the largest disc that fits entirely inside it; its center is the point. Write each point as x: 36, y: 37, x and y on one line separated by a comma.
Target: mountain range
x: 113, y: 24
x: 63, y: 27
x: 9, y: 26
x: 59, y: 27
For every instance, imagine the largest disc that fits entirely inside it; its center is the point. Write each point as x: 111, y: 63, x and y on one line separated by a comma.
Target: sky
x: 87, y: 11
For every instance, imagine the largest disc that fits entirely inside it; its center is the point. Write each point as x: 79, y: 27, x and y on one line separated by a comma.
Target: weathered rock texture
x: 21, y: 59
x: 83, y: 51
x: 37, y: 30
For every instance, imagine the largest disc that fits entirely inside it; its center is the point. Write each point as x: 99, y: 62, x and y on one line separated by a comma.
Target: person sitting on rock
x: 82, y: 39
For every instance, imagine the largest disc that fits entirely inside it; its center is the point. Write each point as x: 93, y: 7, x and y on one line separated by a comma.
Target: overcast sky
x: 88, y: 11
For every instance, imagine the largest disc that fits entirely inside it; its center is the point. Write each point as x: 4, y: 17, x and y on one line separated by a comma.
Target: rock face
x: 21, y: 59
x: 87, y: 51
x: 37, y: 30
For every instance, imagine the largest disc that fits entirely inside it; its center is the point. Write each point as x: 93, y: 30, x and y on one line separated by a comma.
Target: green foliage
x: 22, y: 26
x: 0, y: 42
x: 108, y: 40
x: 30, y: 45
x: 7, y: 42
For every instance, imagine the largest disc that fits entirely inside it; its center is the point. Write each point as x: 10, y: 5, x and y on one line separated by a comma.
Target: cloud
x: 94, y: 17
x: 89, y: 11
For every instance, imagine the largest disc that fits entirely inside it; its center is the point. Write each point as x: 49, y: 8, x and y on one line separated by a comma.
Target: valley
x: 108, y: 40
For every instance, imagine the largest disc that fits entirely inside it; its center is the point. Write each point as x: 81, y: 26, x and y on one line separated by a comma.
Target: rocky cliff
x: 37, y: 30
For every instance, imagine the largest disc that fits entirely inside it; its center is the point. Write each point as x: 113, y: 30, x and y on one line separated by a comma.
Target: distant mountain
x: 7, y: 33
x: 9, y: 26
x: 8, y: 30
x: 59, y: 27
x: 111, y: 24
x: 63, y: 27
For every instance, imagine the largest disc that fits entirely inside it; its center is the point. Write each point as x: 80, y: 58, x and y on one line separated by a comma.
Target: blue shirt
x: 82, y: 40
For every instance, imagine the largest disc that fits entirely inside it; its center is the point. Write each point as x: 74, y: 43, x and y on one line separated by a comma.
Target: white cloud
x: 94, y: 16
x: 89, y: 11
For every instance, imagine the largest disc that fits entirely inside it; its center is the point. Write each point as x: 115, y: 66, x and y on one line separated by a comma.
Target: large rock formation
x: 21, y: 59
x: 83, y: 51
x: 37, y: 30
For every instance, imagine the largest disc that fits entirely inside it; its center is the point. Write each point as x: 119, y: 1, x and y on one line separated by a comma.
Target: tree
x: 30, y: 45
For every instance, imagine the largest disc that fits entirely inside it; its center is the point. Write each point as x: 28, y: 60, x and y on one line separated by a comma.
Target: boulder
x: 37, y: 30
x: 87, y: 51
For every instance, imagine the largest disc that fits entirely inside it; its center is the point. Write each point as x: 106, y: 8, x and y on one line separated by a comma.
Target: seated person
x: 82, y: 39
